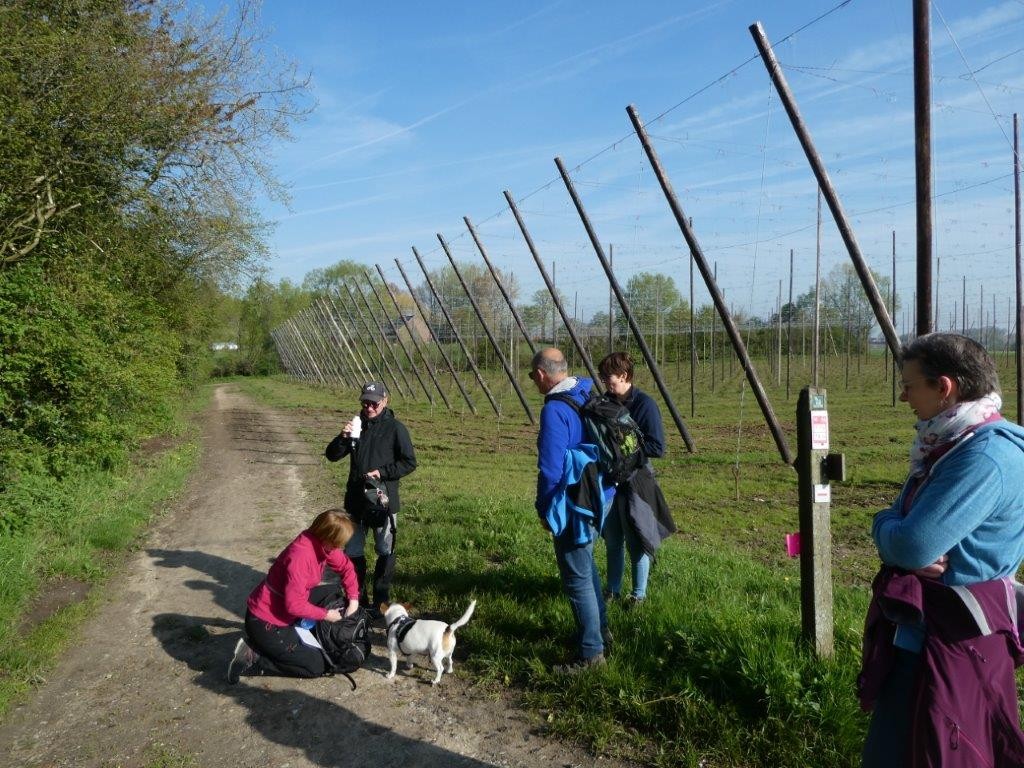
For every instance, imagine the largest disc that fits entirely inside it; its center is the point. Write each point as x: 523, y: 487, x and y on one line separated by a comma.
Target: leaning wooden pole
x: 437, y: 341
x: 479, y: 315
x: 554, y: 293
x: 398, y: 336
x: 501, y: 287
x: 414, y: 336
x: 652, y: 364
x: 358, y: 362
x: 374, y: 330
x: 712, y: 285
x: 455, y: 333
x: 373, y: 337
x: 827, y: 190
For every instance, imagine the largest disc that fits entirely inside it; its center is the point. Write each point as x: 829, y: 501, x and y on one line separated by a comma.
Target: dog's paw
x: 389, y: 675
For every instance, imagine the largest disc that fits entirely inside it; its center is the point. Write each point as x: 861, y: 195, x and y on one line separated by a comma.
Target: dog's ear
x: 407, y: 606
x: 383, y: 607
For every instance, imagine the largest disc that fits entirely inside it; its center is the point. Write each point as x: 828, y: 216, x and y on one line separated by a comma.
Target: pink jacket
x: 282, y: 598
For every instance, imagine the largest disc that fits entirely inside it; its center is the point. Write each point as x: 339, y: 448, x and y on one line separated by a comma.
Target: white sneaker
x: 244, y: 658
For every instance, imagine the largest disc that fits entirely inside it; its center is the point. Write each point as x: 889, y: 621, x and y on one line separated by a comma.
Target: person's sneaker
x: 578, y: 665
x: 610, y: 597
x: 243, y: 660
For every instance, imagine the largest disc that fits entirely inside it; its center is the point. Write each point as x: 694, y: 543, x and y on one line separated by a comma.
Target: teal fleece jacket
x: 970, y: 506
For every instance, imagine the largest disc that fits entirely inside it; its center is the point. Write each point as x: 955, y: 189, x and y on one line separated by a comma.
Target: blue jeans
x: 616, y: 533
x: 581, y: 583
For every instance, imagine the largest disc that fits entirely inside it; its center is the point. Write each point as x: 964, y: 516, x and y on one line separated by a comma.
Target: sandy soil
x: 146, y: 681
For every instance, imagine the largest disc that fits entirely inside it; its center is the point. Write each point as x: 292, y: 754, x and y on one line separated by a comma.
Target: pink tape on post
x: 793, y: 544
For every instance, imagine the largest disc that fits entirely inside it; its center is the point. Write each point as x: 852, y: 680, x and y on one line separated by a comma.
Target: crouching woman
x: 290, y: 593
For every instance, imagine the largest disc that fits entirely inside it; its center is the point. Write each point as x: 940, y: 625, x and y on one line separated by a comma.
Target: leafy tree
x: 135, y: 136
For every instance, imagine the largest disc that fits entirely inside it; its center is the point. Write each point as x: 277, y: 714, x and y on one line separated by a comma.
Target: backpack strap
x: 564, y: 397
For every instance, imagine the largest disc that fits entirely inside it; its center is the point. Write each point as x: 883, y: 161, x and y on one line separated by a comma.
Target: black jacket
x: 384, y: 444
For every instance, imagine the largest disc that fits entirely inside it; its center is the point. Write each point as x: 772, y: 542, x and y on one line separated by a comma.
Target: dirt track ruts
x: 146, y: 676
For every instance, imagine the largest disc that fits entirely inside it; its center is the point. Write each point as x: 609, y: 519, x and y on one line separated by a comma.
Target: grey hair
x: 551, y: 361
x: 960, y: 358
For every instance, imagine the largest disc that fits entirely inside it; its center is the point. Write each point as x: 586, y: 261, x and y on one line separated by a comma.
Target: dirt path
x: 145, y: 684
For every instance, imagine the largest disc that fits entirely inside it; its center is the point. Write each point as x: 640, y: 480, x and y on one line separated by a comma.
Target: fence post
x: 815, y: 533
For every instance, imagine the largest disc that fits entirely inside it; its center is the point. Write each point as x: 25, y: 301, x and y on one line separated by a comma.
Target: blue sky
x: 426, y: 112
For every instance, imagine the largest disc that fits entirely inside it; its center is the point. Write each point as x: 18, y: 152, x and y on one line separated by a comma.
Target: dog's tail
x: 464, y: 619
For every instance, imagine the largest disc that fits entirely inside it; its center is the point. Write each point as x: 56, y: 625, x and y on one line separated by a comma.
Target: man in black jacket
x: 381, y: 449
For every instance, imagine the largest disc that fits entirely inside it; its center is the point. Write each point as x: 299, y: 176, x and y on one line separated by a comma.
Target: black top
x: 383, y: 444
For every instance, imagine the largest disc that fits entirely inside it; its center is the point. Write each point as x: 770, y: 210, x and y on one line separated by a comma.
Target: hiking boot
x: 245, y: 658
x: 578, y: 665
x: 632, y: 601
x: 608, y: 639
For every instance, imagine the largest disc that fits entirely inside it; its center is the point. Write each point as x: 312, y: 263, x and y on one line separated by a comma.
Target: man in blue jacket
x: 560, y: 435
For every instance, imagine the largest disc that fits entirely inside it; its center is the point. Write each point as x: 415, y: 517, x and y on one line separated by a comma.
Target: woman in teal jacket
x: 960, y: 516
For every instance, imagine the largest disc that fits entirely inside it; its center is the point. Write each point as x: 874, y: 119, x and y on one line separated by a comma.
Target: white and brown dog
x: 421, y: 637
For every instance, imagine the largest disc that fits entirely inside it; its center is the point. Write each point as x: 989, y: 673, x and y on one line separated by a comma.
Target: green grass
x: 81, y: 526
x: 711, y: 670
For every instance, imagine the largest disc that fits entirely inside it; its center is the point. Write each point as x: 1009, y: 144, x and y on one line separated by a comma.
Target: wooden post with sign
x: 814, y: 465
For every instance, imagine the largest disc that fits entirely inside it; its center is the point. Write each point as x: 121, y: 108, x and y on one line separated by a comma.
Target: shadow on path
x: 326, y: 732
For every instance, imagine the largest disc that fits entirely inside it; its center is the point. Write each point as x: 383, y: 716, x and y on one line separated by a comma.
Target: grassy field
x: 81, y: 528
x: 710, y: 671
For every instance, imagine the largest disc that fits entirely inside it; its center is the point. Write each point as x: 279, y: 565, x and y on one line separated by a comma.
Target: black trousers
x: 281, y: 651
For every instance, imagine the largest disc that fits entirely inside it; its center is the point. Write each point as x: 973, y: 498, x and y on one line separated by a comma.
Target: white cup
x: 355, y: 427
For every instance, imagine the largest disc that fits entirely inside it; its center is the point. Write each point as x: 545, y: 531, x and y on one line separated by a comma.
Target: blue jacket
x: 574, y: 511
x: 969, y: 506
x: 560, y: 430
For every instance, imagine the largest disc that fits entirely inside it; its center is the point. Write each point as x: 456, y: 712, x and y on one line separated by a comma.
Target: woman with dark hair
x: 632, y: 524
x: 941, y: 639
x: 290, y: 595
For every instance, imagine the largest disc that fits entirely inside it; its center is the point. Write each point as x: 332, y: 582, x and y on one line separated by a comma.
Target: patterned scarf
x: 948, y: 426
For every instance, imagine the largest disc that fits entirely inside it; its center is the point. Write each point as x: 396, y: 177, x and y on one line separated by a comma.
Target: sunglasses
x: 370, y: 405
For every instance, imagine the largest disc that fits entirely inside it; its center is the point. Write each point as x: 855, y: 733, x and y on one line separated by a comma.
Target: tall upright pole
x: 789, y: 326
x: 1017, y: 260
x: 551, y: 289
x: 935, y: 294
x: 712, y: 285
x: 825, y: 185
x: 652, y: 364
x: 430, y: 328
x: 893, y: 310
x: 398, y: 336
x: 490, y: 336
x: 923, y: 160
x: 413, y: 335
x: 816, y: 338
x: 693, y: 344
x: 501, y: 286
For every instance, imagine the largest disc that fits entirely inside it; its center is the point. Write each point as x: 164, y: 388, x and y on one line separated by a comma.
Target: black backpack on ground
x: 619, y: 440
x: 345, y: 643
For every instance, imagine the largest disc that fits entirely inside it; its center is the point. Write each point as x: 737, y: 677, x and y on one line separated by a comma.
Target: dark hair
x: 616, y: 364
x: 962, y: 359
x: 333, y: 527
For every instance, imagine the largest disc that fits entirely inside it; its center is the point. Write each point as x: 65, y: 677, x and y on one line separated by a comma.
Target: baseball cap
x: 374, y: 392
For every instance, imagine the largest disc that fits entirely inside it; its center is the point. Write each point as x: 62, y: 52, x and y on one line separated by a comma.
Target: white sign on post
x: 819, y: 430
